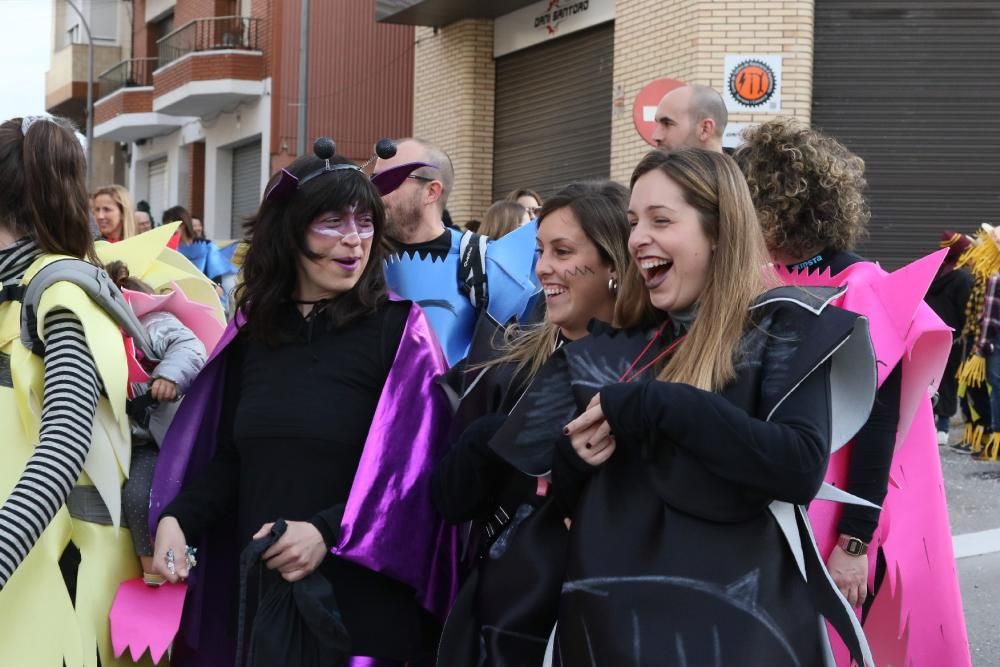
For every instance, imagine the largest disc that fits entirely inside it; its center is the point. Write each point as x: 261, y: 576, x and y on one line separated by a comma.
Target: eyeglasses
x: 425, y: 179
x: 533, y: 211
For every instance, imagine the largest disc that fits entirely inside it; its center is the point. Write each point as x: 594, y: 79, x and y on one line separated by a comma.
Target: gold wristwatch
x: 852, y: 545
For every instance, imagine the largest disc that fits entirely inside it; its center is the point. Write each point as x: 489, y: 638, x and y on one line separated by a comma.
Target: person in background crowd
x: 197, y: 229
x: 143, y: 223
x: 143, y: 206
x: 317, y: 379
x: 582, y: 236
x: 979, y: 373
x: 112, y: 208
x: 529, y: 199
x: 61, y: 412
x: 808, y: 190
x: 693, y: 116
x: 948, y: 296
x: 204, y: 254
x: 707, y: 421
x: 456, y: 277
x: 502, y: 218
x: 473, y: 225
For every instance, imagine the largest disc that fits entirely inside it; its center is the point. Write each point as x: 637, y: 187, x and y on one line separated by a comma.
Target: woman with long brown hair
x: 707, y: 420
x: 582, y: 232
x: 63, y: 426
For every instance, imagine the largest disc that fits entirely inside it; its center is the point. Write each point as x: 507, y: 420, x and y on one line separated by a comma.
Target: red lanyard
x: 670, y: 348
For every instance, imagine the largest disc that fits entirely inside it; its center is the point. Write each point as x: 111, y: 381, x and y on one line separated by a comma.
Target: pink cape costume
x: 916, y: 620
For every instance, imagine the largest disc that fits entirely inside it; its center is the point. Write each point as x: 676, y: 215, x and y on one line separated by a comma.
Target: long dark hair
x: 278, y: 233
x: 738, y: 271
x: 175, y: 213
x: 600, y: 209
x: 44, y: 192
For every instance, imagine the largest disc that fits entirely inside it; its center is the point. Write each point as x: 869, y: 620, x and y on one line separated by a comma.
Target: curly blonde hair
x: 807, y: 187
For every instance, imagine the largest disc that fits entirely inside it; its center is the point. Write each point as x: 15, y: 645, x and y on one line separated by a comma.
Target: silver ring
x: 189, y: 556
x: 171, y: 568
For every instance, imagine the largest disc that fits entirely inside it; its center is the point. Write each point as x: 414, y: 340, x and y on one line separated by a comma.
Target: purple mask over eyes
x: 389, y: 179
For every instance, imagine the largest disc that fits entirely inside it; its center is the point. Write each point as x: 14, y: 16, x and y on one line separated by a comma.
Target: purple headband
x: 324, y: 148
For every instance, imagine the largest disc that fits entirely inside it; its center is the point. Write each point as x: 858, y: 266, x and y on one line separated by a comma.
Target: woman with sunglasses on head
x: 715, y: 411
x: 328, y: 427
x: 582, y: 232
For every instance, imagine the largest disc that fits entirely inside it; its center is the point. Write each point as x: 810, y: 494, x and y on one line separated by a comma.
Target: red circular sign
x: 644, y: 108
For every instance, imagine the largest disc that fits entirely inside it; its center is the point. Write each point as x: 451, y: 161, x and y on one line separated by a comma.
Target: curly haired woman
x: 808, y: 190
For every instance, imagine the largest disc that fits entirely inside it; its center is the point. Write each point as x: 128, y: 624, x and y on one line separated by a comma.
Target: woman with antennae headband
x: 316, y: 465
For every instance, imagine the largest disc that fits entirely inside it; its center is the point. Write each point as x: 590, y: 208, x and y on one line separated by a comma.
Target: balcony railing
x: 127, y: 74
x: 223, y: 32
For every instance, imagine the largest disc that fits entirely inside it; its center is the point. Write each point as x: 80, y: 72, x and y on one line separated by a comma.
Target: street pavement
x: 973, y: 489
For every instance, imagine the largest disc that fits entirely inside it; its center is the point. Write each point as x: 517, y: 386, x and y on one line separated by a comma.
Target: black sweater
x: 294, y: 422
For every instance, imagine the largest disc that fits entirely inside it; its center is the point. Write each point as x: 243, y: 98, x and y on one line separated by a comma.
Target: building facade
x: 201, y: 101
x: 538, y: 94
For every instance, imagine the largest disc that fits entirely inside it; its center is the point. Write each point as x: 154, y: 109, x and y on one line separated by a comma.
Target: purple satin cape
x: 389, y: 525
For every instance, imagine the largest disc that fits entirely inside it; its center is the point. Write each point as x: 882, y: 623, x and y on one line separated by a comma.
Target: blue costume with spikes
x: 435, y: 285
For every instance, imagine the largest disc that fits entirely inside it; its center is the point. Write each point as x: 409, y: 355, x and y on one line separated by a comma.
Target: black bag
x: 297, y: 624
x: 506, y: 610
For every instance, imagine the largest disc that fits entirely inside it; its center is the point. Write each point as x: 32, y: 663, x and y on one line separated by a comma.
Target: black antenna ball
x: 324, y: 148
x: 385, y: 148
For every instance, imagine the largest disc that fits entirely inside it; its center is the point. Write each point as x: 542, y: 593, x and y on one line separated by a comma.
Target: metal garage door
x: 553, y: 113
x: 157, y: 188
x: 246, y: 186
x: 913, y: 86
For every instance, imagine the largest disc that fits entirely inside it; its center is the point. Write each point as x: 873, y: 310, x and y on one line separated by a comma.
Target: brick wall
x: 266, y: 35
x: 688, y: 40
x: 188, y: 10
x: 142, y: 45
x: 208, y: 66
x: 122, y: 101
x: 196, y: 180
x: 453, y: 107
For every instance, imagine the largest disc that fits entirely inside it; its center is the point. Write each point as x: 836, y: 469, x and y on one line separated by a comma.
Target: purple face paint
x: 341, y: 225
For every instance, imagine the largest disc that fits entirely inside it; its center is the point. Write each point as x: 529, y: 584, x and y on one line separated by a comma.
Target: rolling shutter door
x: 912, y: 87
x: 246, y: 186
x: 553, y: 113
x: 157, y: 187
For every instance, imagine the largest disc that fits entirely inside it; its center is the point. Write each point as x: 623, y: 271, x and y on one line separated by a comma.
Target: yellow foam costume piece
x: 39, y: 625
x: 151, y: 261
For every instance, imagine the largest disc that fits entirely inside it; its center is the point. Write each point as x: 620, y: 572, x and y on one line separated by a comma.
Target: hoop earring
x: 613, y: 286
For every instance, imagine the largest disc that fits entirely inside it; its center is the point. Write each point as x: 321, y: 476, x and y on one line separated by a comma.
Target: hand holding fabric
x: 850, y: 573
x: 590, y: 434
x: 297, y: 553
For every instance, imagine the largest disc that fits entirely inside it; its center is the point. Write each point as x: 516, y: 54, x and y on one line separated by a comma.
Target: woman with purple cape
x: 307, y: 444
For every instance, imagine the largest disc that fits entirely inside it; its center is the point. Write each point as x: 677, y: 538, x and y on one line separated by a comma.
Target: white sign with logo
x: 752, y: 83
x: 545, y: 20
x: 732, y: 137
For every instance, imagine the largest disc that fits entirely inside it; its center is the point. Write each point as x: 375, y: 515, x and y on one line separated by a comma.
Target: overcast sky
x: 25, y: 35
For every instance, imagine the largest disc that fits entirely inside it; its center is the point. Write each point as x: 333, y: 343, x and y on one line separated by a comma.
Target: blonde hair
x: 599, y: 208
x: 712, y: 185
x: 123, y: 200
x: 501, y: 218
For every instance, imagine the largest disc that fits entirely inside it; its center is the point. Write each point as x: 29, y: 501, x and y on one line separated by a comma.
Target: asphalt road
x: 973, y: 489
